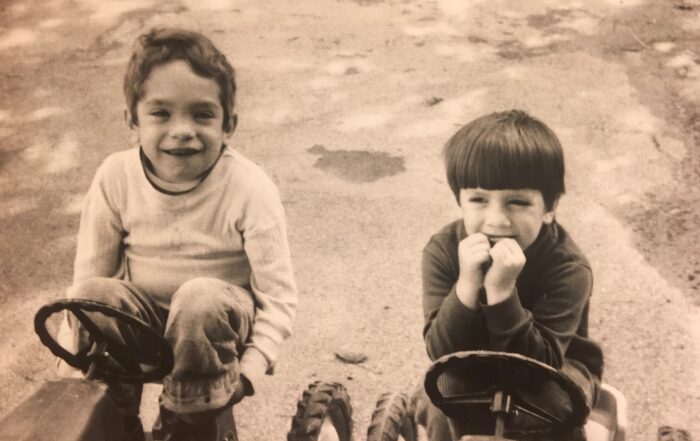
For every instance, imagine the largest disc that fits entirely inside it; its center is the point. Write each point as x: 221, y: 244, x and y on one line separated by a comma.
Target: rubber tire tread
x: 319, y: 400
x: 393, y: 416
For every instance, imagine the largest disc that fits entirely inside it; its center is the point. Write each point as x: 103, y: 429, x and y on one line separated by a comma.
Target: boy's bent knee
x: 204, y: 294
x: 197, y: 287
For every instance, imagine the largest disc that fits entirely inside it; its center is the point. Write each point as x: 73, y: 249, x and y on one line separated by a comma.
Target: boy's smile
x: 180, y: 122
x: 517, y: 214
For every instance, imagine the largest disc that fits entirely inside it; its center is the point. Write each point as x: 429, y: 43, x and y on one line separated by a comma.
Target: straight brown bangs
x: 511, y: 156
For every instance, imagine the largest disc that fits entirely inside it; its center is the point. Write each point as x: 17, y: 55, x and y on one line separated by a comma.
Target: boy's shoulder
x: 564, y: 248
x: 244, y: 173
x: 246, y: 184
x: 443, y: 245
x: 119, y: 165
x: 449, y: 235
x: 554, y: 256
x: 234, y: 159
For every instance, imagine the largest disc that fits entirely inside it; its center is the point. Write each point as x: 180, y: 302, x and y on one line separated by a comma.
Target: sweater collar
x: 170, y: 188
x: 543, y: 244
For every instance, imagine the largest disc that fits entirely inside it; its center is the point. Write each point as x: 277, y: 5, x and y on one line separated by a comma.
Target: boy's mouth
x: 494, y: 239
x: 181, y: 151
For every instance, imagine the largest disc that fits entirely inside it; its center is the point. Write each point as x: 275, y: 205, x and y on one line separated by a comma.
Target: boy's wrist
x: 497, y: 294
x: 253, y: 366
x: 468, y: 294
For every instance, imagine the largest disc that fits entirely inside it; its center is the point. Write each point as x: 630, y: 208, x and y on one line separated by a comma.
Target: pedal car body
x: 497, y: 396
x: 82, y: 410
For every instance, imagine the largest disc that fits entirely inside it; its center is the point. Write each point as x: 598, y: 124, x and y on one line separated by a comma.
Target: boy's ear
x: 128, y: 119
x: 231, y: 126
x: 132, y: 127
x: 548, y: 217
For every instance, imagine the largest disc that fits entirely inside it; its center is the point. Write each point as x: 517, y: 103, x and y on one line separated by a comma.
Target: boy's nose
x: 497, y: 217
x: 182, y: 129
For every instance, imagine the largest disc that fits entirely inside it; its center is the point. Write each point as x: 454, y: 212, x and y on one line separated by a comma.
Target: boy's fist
x: 473, y: 256
x: 244, y: 389
x: 508, y: 260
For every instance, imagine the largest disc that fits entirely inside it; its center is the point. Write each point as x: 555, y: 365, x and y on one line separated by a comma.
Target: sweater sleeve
x: 449, y: 325
x: 272, y: 282
x: 100, y: 236
x: 545, y: 331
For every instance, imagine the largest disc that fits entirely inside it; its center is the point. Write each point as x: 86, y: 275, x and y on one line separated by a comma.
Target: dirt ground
x: 346, y: 104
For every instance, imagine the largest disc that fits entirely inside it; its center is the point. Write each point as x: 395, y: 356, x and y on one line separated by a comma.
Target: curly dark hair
x: 162, y: 45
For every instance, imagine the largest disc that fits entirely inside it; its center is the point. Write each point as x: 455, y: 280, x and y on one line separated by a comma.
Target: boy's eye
x: 477, y: 199
x: 159, y: 113
x: 204, y: 115
x: 520, y: 202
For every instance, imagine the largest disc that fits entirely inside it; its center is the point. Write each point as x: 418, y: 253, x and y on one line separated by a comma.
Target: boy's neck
x: 173, y: 188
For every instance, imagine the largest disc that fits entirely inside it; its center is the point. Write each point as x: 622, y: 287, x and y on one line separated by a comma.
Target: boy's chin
x: 179, y: 177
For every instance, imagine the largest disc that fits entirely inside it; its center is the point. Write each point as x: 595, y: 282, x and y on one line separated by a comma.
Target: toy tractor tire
x: 322, y: 404
x: 393, y: 419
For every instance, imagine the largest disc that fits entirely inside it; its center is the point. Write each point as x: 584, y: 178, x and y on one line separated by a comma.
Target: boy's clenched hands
x: 508, y: 260
x: 496, y: 269
x: 474, y: 254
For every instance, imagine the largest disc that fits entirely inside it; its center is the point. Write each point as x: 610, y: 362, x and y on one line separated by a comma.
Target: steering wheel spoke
x: 537, y: 412
x: 467, y: 400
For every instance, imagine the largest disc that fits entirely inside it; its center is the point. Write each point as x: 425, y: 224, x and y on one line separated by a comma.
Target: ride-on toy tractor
x: 497, y: 396
x: 81, y: 409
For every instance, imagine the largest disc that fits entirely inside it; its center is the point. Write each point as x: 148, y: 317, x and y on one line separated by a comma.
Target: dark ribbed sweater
x: 546, y: 318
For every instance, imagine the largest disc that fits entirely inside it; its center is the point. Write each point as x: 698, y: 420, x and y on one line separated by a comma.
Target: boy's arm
x: 99, y: 243
x: 449, y: 325
x: 98, y: 251
x: 544, y: 332
x: 272, y: 283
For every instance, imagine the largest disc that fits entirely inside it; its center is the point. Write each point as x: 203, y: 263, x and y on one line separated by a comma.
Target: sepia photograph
x: 349, y: 220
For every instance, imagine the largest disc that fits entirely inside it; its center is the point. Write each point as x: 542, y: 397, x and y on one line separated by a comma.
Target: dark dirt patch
x: 515, y: 50
x: 357, y: 166
x: 552, y: 18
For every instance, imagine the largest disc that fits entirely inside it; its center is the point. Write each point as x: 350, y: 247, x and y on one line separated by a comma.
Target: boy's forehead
x: 176, y: 81
x: 164, y: 101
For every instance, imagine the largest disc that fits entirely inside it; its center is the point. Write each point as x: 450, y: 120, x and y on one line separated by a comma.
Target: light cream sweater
x: 231, y: 227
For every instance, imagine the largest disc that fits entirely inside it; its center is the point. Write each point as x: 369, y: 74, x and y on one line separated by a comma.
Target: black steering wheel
x: 531, y: 397
x: 107, y: 358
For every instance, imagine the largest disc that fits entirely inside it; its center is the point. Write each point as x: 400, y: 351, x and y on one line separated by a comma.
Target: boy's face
x: 180, y: 122
x: 517, y: 214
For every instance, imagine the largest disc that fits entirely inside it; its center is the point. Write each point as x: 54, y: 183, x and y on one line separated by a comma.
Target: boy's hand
x: 244, y: 389
x: 508, y: 260
x: 473, y: 255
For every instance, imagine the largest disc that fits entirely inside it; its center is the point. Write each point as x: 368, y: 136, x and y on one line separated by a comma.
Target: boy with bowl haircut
x: 187, y: 234
x: 506, y: 276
